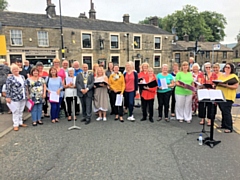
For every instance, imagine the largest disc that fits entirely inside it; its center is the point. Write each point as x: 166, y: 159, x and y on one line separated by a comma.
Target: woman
x: 131, y: 84
x: 148, y: 95
x: 207, y: 78
x: 95, y: 67
x: 54, y: 84
x: 60, y: 73
x: 16, y: 96
x: 108, y: 73
x: 70, y: 93
x: 173, y: 102
x: 196, y: 74
x: 44, y: 75
x: 229, y: 92
x: 117, y: 86
x: 164, y: 93
x: 101, y: 95
x: 184, y: 96
x: 36, y: 92
x: 216, y: 69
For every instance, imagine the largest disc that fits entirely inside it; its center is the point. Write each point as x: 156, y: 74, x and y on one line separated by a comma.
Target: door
x: 137, y: 63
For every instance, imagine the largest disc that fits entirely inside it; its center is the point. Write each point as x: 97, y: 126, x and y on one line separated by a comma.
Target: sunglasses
x: 207, y: 67
x: 228, y: 67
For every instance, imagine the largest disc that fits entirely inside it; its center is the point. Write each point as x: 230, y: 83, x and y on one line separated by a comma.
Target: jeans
x: 129, y: 101
x: 55, y: 109
x: 36, y: 112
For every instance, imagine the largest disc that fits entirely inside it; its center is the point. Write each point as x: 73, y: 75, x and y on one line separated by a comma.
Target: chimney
x: 126, y: 18
x: 51, y: 12
x: 82, y: 16
x: 92, y: 12
x: 154, y: 21
x: 202, y: 38
x: 186, y: 38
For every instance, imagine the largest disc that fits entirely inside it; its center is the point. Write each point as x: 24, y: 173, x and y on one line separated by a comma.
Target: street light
x: 61, y: 29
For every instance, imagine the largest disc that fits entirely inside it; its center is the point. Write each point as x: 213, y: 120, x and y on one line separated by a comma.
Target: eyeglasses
x: 228, y: 67
x: 207, y: 67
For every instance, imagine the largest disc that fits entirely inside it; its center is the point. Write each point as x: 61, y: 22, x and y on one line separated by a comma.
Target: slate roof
x: 205, y: 46
x: 19, y: 19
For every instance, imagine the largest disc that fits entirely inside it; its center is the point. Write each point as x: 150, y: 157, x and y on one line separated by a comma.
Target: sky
x: 113, y: 10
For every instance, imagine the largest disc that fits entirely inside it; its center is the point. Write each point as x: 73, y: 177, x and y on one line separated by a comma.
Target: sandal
x: 34, y: 123
x: 209, y: 123
x: 159, y: 119
x: 202, y: 122
x: 69, y: 118
x: 220, y: 127
x: 227, y: 131
x: 166, y: 119
x: 121, y: 119
x: 56, y: 120
x: 40, y: 122
x: 53, y: 121
x: 46, y: 115
x: 116, y: 118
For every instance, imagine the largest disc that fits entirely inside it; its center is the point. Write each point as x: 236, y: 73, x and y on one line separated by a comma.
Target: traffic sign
x: 216, y: 46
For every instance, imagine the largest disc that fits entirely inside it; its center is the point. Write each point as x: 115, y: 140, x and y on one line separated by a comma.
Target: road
x: 117, y: 151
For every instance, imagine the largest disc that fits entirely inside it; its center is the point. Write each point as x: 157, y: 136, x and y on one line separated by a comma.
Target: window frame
x: 47, y: 39
x: 140, y: 36
x: 91, y: 40
x: 118, y: 42
x: 160, y: 48
x: 224, y: 54
x: 160, y: 59
x: 175, y: 58
x: 88, y: 55
x: 207, y: 54
x: 112, y: 55
x: 11, y: 42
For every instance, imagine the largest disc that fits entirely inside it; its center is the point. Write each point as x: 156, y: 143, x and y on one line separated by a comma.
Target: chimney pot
x: 126, y: 18
x: 186, y: 38
x: 154, y: 21
x: 51, y: 12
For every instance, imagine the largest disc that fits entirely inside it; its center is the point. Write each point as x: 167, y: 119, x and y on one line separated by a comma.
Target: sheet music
x: 205, y: 94
x: 69, y: 80
x: 216, y: 94
x: 119, y: 100
x: 54, y: 97
x: 12, y: 107
x: 163, y: 83
x: 29, y: 104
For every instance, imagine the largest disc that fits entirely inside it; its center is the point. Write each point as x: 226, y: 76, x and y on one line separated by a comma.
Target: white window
x: 87, y: 59
x: 42, y: 38
x: 87, y: 40
x: 16, y: 37
x: 137, y: 42
x: 157, y: 42
x: 114, y: 42
x: 157, y: 60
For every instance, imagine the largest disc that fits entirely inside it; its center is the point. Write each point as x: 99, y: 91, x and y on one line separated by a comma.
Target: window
x: 208, y: 54
x: 42, y: 38
x: 114, y: 41
x: 224, y: 55
x: 102, y: 62
x: 16, y: 37
x: 157, y: 42
x: 115, y: 59
x: 177, y: 58
x: 88, y: 60
x: 236, y: 54
x: 86, y: 40
x: 157, y: 60
x: 137, y: 42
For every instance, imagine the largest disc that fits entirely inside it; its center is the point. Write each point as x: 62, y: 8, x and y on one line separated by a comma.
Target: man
x: 191, y: 62
x: 84, y: 84
x: 26, y: 69
x: 77, y: 68
x: 65, y: 67
x: 4, y: 72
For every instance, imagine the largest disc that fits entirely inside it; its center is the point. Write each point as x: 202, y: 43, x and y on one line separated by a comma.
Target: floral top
x: 35, y: 89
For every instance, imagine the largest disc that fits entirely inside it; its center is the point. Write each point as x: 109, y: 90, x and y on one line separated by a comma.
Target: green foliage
x: 3, y: 5
x: 193, y: 23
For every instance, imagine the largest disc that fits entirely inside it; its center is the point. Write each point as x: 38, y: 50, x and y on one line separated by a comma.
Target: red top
x: 151, y: 92
x: 206, y: 79
x: 44, y: 74
x: 143, y: 75
x: 129, y: 82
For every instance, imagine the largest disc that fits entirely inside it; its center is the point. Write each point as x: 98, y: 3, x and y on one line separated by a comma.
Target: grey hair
x: 207, y: 63
x: 196, y: 64
x: 70, y: 69
x: 164, y: 65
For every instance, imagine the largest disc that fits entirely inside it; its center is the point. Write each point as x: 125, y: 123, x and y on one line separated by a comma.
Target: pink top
x: 61, y: 74
x: 129, y: 81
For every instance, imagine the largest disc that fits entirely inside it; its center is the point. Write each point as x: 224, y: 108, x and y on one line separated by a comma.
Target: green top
x: 169, y: 79
x: 187, y: 78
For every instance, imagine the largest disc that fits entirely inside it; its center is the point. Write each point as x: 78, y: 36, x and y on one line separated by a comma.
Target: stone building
x: 236, y: 51
x: 88, y: 40
x: 182, y: 50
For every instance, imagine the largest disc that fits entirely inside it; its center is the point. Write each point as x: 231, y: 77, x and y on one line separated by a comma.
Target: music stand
x: 208, y: 96
x: 74, y: 116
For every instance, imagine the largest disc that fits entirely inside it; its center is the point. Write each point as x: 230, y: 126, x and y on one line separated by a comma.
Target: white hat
x: 2, y: 61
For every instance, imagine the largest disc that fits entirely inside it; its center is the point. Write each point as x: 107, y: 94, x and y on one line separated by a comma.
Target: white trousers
x: 183, y: 107
x: 18, y: 114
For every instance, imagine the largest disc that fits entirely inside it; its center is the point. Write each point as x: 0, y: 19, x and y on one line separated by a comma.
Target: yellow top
x: 229, y: 94
x: 117, y: 82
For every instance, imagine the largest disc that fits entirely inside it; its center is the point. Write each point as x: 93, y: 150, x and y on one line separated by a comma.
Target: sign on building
x: 3, y: 47
x: 216, y: 47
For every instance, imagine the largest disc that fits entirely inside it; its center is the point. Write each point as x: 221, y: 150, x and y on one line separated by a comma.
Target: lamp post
x: 61, y: 29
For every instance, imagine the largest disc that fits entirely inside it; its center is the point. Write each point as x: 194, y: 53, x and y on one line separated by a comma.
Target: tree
x: 189, y: 21
x: 3, y: 5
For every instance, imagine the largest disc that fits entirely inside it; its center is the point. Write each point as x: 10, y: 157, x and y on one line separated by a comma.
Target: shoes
x: 77, y: 113
x: 159, y: 119
x: 53, y: 121
x: 40, y: 122
x: 172, y: 117
x: 189, y: 121
x: 121, y: 119
x: 116, y: 118
x: 111, y: 113
x: 180, y: 120
x: 34, y: 123
x: 143, y: 119
x: 202, y: 122
x: 46, y: 115
x: 104, y: 119
x: 9, y: 112
x: 87, y: 122
x: 56, y: 120
x: 99, y: 119
x: 1, y: 113
x: 23, y: 125
x: 220, y: 127
x: 83, y: 120
x: 151, y: 120
x: 15, y: 128
x: 228, y: 131
x: 131, y: 118
x: 209, y: 123
x: 166, y: 119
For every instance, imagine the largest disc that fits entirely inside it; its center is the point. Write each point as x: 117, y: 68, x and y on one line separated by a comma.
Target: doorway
x: 137, y: 63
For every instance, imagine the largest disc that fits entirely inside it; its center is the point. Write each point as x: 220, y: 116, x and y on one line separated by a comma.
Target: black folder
x: 97, y: 84
x: 231, y: 81
x: 150, y: 84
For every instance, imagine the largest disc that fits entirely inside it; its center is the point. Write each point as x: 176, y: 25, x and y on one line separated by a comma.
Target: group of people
x: 94, y: 88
